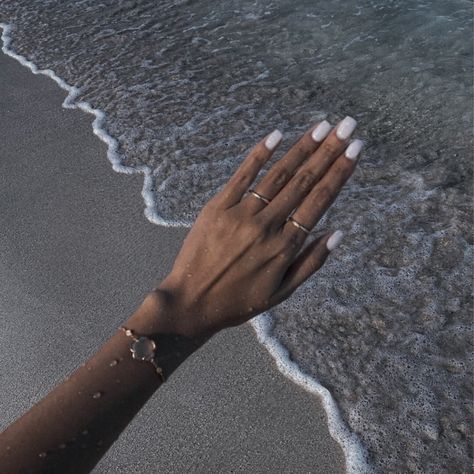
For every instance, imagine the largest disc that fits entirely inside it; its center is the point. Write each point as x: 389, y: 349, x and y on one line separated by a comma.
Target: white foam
x: 354, y: 452
x: 70, y: 102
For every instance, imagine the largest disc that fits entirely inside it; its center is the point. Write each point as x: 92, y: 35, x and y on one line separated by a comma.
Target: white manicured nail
x: 321, y: 131
x: 273, y: 139
x: 345, y: 128
x: 353, y: 150
x: 334, y: 240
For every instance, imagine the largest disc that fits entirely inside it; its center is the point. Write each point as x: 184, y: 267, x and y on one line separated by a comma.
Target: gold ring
x: 259, y: 196
x: 300, y: 226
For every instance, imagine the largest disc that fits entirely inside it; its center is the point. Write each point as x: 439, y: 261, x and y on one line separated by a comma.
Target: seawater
x: 182, y: 90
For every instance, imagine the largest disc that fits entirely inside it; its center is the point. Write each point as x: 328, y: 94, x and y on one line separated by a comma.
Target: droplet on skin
x: 117, y: 381
x: 42, y: 455
x: 85, y: 432
x: 97, y: 395
x: 8, y: 448
x: 113, y: 363
x: 62, y: 446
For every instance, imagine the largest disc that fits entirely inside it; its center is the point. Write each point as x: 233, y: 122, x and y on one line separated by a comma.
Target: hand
x: 242, y: 256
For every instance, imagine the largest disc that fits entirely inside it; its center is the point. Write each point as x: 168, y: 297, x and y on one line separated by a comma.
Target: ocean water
x: 187, y: 88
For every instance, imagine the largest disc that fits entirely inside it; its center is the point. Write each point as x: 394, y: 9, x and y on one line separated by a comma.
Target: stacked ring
x: 259, y: 196
x: 300, y: 226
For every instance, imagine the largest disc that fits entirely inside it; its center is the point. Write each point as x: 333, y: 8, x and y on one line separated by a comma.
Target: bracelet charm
x: 143, y: 348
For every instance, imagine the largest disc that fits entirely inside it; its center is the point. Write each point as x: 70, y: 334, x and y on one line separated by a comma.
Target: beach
x: 377, y: 343
x: 78, y: 256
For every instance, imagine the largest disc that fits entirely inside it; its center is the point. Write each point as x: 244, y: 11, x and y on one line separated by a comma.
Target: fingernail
x: 273, y: 139
x: 321, y: 131
x: 334, y: 240
x: 353, y: 150
x: 345, y: 128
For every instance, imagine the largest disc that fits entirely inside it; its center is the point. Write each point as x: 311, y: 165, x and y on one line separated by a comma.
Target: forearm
x: 75, y: 424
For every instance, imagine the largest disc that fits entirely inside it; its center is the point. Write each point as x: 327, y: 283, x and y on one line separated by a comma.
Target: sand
x: 77, y: 257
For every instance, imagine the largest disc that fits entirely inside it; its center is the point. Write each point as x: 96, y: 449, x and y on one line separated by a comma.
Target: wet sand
x: 77, y: 257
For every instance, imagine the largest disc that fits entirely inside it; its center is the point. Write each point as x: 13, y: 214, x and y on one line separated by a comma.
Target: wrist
x: 158, y: 315
x: 174, y: 340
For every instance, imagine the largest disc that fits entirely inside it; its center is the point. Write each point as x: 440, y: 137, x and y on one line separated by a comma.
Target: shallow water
x: 189, y: 87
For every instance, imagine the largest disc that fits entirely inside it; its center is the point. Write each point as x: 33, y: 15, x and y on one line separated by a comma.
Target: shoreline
x: 353, y: 451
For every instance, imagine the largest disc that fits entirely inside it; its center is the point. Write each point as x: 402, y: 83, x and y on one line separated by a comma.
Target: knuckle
x: 284, y: 256
x: 340, y: 168
x: 294, y: 239
x: 330, y: 147
x: 306, y: 145
x: 258, y: 225
x: 283, y: 253
x: 345, y: 172
x: 325, y: 194
x: 280, y: 247
x: 279, y: 177
x: 315, y: 263
x: 259, y: 157
x: 286, y: 245
x: 240, y: 179
x: 305, y: 179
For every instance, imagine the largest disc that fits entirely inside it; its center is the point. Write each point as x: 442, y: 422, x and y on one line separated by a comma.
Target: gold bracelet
x: 143, y: 348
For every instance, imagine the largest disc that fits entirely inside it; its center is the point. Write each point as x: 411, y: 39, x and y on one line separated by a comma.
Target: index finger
x: 240, y: 181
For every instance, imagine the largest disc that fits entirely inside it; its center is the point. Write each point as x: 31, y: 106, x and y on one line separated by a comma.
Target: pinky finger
x: 310, y: 260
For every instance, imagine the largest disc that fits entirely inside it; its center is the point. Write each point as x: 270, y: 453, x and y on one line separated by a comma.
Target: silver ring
x: 300, y: 226
x: 259, y: 196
